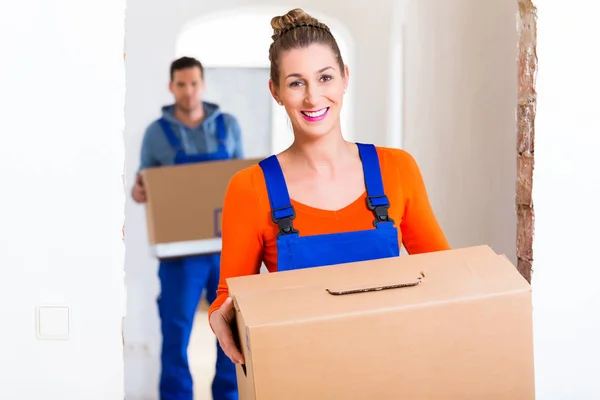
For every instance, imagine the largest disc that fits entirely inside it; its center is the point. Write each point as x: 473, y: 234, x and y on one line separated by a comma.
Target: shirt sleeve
x: 243, y: 247
x: 236, y: 131
x: 421, y: 231
x: 148, y: 157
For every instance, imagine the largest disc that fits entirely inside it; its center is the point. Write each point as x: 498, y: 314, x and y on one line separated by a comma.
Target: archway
x: 244, y: 38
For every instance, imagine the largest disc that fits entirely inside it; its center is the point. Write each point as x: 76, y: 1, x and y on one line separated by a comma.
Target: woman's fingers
x: 230, y: 349
x: 221, y: 324
x: 228, y: 345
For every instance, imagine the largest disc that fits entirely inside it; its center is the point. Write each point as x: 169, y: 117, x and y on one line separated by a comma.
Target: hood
x: 211, y: 112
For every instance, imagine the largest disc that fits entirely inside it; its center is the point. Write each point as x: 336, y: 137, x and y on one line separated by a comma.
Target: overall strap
x: 282, y: 212
x: 377, y: 201
x: 175, y: 143
x: 221, y: 130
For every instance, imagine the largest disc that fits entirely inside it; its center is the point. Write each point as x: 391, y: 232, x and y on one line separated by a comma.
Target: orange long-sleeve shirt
x: 249, y: 234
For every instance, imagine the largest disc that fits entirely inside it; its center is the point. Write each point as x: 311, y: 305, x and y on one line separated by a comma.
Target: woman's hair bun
x: 293, y: 18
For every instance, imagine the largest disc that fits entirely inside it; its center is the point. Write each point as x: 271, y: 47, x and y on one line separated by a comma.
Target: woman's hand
x: 220, y: 321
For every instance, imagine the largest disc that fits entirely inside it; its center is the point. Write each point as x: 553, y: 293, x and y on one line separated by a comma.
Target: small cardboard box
x: 184, y: 203
x: 451, y: 325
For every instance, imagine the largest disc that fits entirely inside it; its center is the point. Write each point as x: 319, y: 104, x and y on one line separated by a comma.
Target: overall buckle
x: 380, y: 210
x: 285, y: 224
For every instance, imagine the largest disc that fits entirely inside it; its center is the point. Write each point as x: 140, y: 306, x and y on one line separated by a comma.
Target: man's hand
x: 139, y: 193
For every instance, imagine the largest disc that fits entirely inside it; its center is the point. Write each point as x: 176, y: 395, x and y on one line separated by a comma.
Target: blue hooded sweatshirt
x: 157, y: 151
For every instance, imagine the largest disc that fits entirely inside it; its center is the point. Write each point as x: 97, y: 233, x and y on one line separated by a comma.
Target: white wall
x: 61, y: 163
x: 566, y: 196
x: 460, y: 97
x: 153, y: 29
x: 459, y: 115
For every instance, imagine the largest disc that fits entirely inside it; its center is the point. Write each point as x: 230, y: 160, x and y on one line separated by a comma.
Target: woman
x: 307, y: 206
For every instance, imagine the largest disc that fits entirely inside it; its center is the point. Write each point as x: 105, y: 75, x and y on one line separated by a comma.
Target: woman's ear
x: 346, y: 77
x: 274, y: 92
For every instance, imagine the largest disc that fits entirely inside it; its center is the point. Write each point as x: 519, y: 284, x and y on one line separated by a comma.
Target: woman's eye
x: 326, y: 78
x: 295, y: 83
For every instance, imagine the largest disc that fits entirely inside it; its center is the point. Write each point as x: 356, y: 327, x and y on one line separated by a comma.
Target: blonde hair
x: 297, y: 29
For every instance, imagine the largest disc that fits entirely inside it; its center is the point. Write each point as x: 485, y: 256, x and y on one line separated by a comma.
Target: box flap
x: 374, y: 286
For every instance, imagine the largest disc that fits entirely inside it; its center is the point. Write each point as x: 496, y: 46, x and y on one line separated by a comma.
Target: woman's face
x: 311, y: 88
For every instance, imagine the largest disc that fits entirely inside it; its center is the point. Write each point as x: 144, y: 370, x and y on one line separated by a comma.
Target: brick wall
x: 526, y: 106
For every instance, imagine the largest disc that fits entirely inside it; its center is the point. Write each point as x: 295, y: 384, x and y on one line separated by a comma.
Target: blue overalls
x: 182, y: 282
x: 296, y: 252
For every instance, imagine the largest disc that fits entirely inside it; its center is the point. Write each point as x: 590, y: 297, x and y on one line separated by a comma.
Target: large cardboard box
x: 184, y: 203
x: 451, y: 325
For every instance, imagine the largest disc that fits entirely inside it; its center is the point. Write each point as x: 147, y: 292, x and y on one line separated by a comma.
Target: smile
x: 314, y: 116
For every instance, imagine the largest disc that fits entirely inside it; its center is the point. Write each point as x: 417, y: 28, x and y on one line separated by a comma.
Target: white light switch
x: 53, y: 322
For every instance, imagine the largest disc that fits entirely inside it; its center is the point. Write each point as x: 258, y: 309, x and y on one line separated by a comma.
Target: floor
x: 202, y: 355
x: 202, y: 351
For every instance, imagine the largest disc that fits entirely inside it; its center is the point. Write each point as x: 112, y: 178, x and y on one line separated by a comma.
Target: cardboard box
x: 458, y: 326
x: 184, y: 203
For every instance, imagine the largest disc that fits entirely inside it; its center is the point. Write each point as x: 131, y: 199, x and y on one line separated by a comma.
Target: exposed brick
x: 526, y: 109
x: 524, y: 180
x: 525, y: 128
x: 525, y: 269
x: 525, y: 232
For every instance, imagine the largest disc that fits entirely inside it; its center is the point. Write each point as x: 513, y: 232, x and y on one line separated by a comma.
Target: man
x: 191, y: 130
